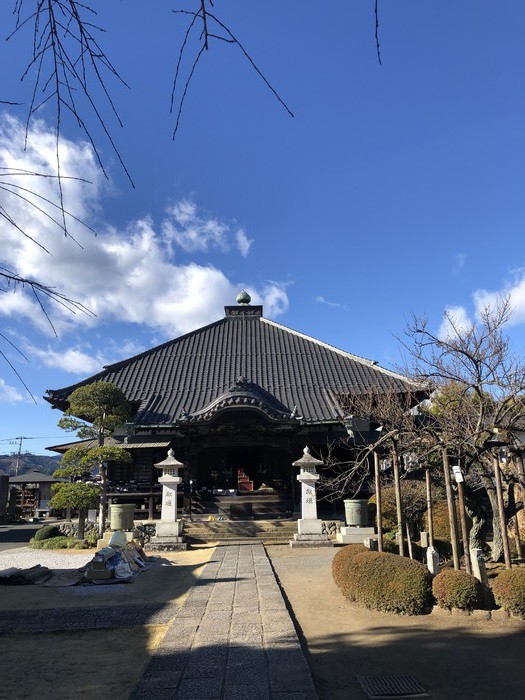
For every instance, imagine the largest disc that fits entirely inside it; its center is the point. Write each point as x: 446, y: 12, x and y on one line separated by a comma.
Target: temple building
x: 237, y: 400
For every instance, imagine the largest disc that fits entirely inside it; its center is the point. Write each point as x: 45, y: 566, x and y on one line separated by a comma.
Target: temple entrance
x: 243, y: 483
x: 244, y: 469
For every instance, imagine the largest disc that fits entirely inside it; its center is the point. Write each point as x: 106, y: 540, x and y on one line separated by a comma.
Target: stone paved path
x: 233, y: 638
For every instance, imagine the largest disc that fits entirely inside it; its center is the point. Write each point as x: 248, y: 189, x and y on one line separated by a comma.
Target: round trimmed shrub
x: 509, y: 591
x: 386, y: 582
x: 341, y: 559
x: 46, y: 532
x: 457, y: 589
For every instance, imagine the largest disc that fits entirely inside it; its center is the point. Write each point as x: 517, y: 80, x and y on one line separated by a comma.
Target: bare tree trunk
x: 476, y: 540
x: 451, y: 510
x: 497, y: 540
x: 82, y: 513
x: 501, y: 513
x: 379, y: 513
x: 104, y: 487
x: 103, y: 500
x: 518, y: 461
x: 517, y: 539
x: 399, y: 508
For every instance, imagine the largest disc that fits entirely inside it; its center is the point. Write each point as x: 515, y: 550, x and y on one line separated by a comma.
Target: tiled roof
x: 31, y: 477
x: 283, y: 369
x: 110, y: 441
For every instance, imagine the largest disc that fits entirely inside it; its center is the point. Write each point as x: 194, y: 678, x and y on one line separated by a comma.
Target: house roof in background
x: 33, y: 477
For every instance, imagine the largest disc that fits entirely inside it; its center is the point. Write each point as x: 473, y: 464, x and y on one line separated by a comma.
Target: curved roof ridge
x: 344, y: 353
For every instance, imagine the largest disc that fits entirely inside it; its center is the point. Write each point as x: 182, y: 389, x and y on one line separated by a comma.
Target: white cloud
x: 8, y: 394
x: 192, y: 232
x: 513, y: 289
x: 243, y: 242
x: 71, y: 360
x: 459, y: 262
x: 333, y: 304
x: 455, y: 320
x: 121, y: 275
x: 275, y: 299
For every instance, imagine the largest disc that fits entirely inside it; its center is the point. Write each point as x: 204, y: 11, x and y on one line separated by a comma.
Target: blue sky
x: 396, y: 188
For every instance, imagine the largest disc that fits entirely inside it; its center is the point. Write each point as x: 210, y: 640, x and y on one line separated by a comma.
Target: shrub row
x: 60, y: 542
x: 383, y: 581
x: 391, y: 583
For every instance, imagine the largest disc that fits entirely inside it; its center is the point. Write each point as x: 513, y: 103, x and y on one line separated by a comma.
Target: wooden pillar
x: 464, y: 529
x: 451, y: 510
x: 379, y: 513
x: 502, y: 518
x: 399, y: 507
x: 430, y: 513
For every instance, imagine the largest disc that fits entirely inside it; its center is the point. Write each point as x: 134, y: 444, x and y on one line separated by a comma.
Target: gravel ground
x: 24, y: 557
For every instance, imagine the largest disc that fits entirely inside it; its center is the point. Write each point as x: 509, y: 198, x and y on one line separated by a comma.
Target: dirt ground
x: 452, y: 657
x: 99, y: 663
x: 160, y: 584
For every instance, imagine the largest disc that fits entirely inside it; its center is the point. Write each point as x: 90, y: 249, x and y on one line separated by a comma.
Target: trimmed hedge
x: 509, y: 591
x: 46, y: 533
x: 60, y: 542
x: 457, y: 589
x: 342, y: 559
x: 385, y: 582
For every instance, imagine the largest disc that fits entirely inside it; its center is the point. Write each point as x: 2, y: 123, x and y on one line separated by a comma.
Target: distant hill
x: 28, y: 462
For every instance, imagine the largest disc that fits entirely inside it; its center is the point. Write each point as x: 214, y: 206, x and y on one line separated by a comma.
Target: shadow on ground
x: 451, y: 663
x: 452, y: 657
x: 99, y: 638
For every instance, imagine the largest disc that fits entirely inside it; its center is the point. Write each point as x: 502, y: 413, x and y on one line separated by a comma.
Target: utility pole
x: 19, y: 453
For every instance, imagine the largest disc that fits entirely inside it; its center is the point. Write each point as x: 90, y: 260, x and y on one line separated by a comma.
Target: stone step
x: 237, y: 531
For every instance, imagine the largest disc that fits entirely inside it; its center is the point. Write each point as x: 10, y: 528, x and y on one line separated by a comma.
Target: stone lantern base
x: 310, y: 534
x: 168, y: 537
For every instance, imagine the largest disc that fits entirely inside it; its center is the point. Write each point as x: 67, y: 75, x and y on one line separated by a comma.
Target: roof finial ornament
x: 243, y: 298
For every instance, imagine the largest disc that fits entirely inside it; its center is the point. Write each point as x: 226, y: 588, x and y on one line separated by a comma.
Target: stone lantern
x: 309, y: 527
x: 169, y: 528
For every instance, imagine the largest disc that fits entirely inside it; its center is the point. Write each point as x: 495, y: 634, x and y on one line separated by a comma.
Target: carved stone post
x: 309, y: 527
x: 169, y: 528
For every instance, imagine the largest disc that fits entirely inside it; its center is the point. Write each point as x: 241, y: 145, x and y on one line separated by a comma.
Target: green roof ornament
x: 243, y: 297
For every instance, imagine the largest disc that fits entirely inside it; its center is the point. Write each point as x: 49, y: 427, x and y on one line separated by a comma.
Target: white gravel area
x: 24, y: 557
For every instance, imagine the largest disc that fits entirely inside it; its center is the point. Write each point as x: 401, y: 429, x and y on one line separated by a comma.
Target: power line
x: 40, y: 437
